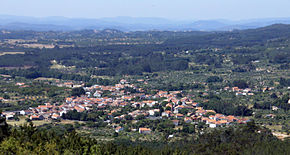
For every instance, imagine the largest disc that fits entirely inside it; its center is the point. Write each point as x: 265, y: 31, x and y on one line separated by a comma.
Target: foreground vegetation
x: 244, y: 139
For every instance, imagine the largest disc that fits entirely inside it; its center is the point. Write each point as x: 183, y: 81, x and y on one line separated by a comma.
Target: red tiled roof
x: 144, y: 129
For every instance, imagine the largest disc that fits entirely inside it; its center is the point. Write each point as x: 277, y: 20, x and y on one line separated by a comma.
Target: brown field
x: 11, y: 53
x: 46, y: 79
x: 10, y: 68
x: 280, y: 135
x: 17, y: 41
x: 36, y: 45
x: 22, y: 121
x: 70, y: 122
x: 274, y: 127
x: 103, y: 77
x: 55, y: 65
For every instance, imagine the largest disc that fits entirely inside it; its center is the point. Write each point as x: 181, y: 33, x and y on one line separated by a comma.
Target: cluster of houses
x: 141, y: 130
x: 218, y: 120
x: 240, y: 92
x: 246, y: 91
x: 174, y: 108
x: 267, y: 89
x: 41, y: 112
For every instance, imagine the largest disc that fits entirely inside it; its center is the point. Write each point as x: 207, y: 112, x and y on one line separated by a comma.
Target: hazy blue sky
x: 172, y: 9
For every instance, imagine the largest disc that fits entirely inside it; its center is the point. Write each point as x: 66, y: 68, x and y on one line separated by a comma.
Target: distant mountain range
x: 8, y: 22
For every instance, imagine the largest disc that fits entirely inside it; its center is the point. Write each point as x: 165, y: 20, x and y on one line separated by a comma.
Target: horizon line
x: 164, y: 18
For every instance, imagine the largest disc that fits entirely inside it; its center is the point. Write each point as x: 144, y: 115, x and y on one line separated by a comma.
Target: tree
x: 241, y: 84
x: 78, y: 91
x: 5, y: 96
x: 179, y: 95
x: 147, y: 68
x: 164, y: 103
x: 284, y: 82
x: 209, y: 113
x: 115, y: 134
x: 3, y: 128
x: 128, y: 117
x: 274, y: 96
x: 184, y: 111
x: 156, y: 114
x: 140, y: 117
x: 168, y: 108
x: 188, y: 128
x: 214, y: 79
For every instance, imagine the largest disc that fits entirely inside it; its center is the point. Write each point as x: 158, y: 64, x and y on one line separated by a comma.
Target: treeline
x: 34, y: 73
x: 177, y: 86
x: 136, y: 59
x: 110, y: 60
x: 284, y: 82
x: 245, y: 139
x: 226, y: 107
x: 83, y: 116
x: 51, y: 36
x: 280, y: 102
x: 246, y: 38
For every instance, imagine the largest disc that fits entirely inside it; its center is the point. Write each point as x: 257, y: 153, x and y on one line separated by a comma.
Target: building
x: 8, y: 115
x: 166, y: 114
x: 25, y: 112
x: 119, y: 128
x: 34, y: 117
x: 55, y: 116
x: 179, y: 116
x: 144, y: 130
x: 175, y: 122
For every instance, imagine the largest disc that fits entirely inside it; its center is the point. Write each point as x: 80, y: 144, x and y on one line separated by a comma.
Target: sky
x: 170, y: 9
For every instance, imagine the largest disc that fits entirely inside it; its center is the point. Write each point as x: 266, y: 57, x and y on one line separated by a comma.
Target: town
x: 162, y: 105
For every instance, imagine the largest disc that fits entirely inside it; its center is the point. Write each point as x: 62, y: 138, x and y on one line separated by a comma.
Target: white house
x: 98, y: 94
x: 25, y: 112
x: 212, y: 125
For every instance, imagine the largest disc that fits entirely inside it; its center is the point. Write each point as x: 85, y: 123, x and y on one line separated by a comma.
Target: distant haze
x: 169, y: 9
x: 8, y: 22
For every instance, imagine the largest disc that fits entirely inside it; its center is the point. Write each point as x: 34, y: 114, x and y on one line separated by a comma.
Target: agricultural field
x: 10, y: 53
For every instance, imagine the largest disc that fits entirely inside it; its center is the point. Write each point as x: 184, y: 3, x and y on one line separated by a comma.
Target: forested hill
x: 114, y: 52
x: 96, y: 34
x: 251, y: 37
